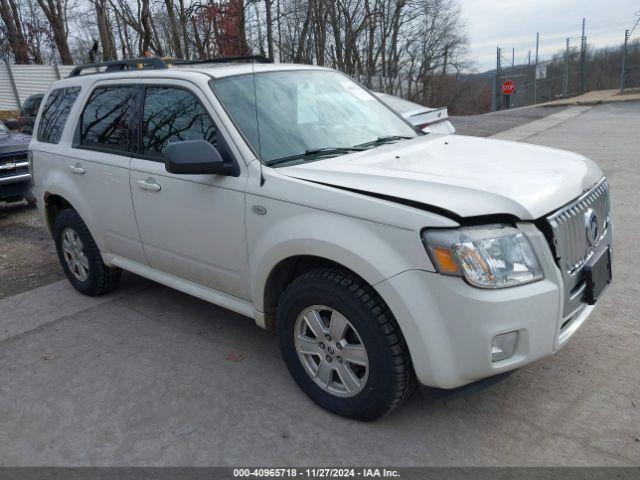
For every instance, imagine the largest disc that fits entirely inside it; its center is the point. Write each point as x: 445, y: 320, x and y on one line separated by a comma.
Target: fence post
x: 535, y: 70
x: 566, y: 71
x: 57, y: 70
x: 494, y: 96
x: 583, y: 54
x: 14, y: 87
x: 624, y: 59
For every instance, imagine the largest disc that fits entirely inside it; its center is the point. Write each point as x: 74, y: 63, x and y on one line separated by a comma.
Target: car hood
x: 463, y: 176
x: 13, y: 142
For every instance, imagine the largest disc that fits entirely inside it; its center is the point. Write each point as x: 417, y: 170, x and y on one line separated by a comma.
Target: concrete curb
x: 598, y: 97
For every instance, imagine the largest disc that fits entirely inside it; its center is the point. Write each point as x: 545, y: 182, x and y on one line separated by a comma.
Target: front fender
x: 371, y: 250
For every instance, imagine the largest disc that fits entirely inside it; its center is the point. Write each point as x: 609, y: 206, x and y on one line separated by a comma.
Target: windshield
x: 31, y: 105
x: 303, y: 114
x: 3, y: 128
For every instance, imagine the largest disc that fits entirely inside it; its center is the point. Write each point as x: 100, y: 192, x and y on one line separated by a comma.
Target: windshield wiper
x: 382, y: 140
x: 314, y: 152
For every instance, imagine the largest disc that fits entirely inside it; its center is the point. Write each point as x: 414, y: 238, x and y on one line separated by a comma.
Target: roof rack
x: 157, y: 63
x: 246, y: 58
x: 121, y: 65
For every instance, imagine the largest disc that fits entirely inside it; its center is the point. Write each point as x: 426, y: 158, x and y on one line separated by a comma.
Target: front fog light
x: 503, y: 346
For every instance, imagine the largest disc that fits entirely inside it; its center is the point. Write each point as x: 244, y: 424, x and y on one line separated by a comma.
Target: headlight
x: 496, y: 256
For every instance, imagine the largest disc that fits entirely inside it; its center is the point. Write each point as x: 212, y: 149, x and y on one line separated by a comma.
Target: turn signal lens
x: 445, y: 261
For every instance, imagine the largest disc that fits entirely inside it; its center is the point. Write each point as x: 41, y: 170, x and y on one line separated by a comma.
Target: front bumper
x: 449, y: 325
x: 14, y: 186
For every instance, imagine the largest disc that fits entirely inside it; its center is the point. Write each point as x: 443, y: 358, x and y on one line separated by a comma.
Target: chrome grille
x: 13, y: 164
x: 573, y: 238
x: 13, y: 157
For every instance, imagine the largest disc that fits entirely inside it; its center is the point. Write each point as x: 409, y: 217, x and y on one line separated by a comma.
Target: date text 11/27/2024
x: 324, y: 472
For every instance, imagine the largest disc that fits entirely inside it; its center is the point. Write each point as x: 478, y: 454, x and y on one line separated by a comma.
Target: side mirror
x: 195, y: 157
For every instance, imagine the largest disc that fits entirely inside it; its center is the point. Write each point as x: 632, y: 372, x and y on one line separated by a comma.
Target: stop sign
x: 508, y: 87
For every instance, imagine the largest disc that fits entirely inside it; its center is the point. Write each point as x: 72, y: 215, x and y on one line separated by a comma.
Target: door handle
x: 77, y: 169
x: 149, y: 184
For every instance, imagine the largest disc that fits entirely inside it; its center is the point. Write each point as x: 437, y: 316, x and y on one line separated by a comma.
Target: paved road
x: 490, y: 124
x: 150, y: 376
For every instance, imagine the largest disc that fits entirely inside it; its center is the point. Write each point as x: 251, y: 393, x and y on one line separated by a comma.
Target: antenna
x: 255, y: 100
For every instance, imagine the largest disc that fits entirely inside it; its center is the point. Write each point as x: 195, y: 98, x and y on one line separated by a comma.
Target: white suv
x: 292, y: 195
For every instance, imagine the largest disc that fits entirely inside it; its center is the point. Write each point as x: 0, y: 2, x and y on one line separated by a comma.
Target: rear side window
x: 55, y: 113
x: 172, y: 115
x: 106, y: 120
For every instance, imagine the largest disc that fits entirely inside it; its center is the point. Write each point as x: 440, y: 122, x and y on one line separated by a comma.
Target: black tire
x: 30, y: 199
x: 101, y: 278
x: 390, y: 377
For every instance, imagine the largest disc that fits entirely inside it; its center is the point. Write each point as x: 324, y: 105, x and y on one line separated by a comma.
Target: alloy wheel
x: 74, y: 254
x: 331, y: 351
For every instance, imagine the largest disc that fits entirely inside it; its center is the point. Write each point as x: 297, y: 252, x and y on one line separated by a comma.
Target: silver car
x: 427, y: 119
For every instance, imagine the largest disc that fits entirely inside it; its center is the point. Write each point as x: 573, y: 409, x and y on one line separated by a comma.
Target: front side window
x: 293, y: 114
x: 106, y: 120
x: 172, y: 115
x: 55, y: 113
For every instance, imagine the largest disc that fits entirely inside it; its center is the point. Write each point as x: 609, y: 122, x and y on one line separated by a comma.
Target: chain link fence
x: 537, y: 80
x: 630, y: 71
x: 573, y: 71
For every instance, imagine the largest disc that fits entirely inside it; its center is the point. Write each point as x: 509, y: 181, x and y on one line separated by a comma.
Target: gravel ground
x: 27, y: 253
x: 491, y: 123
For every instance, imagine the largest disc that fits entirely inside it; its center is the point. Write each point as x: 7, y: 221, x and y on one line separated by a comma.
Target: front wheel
x: 342, y: 345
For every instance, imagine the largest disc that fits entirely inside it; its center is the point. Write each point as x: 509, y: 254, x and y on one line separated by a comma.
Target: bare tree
x: 10, y: 15
x: 56, y: 12
x: 412, y: 48
x: 104, y: 30
x: 175, y: 34
x: 141, y: 21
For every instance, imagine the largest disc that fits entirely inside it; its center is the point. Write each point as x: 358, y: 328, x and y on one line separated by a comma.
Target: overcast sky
x: 514, y: 23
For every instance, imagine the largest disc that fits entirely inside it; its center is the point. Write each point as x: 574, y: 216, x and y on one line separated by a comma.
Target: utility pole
x: 624, y: 59
x: 535, y: 70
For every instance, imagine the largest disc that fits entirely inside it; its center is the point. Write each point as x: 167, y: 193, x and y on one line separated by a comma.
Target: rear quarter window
x: 55, y: 113
x: 105, y: 123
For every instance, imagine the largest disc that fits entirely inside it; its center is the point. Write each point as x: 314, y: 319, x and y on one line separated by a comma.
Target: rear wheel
x: 80, y: 257
x: 342, y: 345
